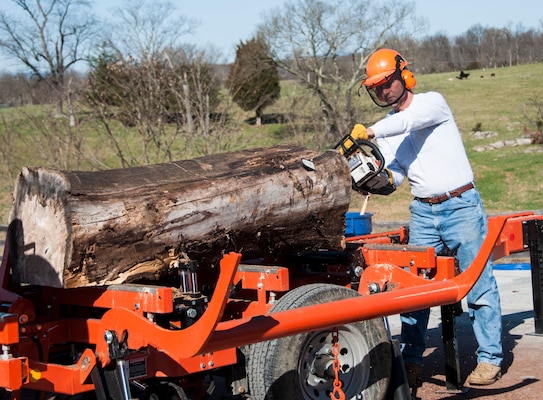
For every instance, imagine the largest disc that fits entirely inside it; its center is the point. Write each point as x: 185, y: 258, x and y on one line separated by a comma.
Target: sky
x: 224, y: 23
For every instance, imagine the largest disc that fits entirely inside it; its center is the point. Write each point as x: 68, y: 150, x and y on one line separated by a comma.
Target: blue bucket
x: 512, y: 267
x: 357, y: 224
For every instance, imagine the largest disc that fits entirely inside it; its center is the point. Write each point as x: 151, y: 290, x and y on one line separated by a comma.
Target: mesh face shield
x: 388, y: 90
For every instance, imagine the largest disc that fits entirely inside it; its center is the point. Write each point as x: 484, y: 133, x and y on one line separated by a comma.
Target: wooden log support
x: 74, y: 228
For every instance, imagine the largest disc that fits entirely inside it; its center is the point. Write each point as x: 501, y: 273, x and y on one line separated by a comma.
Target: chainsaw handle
x: 374, y: 151
x: 359, y: 144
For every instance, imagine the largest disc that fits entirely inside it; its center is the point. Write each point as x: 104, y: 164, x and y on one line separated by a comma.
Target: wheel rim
x: 316, y: 376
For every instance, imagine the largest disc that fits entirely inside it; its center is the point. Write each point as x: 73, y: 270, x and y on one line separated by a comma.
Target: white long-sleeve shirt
x: 423, y: 144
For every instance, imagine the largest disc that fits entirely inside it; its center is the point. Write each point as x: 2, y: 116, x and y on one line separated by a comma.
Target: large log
x: 75, y: 228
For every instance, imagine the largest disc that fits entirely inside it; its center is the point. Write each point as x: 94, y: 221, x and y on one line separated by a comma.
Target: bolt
x: 108, y: 337
x: 373, y: 287
x: 192, y: 313
x: 273, y: 297
x: 6, y: 354
x: 85, y: 363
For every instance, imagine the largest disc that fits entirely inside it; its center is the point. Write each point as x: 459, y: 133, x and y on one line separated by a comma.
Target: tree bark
x: 75, y: 228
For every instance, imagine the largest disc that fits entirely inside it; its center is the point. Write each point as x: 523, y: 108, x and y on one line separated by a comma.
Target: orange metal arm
x: 284, y: 323
x: 414, y: 293
x: 180, y: 344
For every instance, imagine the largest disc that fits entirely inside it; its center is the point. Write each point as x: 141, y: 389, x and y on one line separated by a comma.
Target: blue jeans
x: 460, y: 226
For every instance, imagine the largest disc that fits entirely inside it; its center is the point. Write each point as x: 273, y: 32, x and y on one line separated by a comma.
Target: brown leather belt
x: 446, y: 196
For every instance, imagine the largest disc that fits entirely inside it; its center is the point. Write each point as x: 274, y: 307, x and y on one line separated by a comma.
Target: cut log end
x: 40, y: 226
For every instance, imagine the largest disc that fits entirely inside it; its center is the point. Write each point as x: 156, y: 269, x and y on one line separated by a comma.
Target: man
x: 421, y: 142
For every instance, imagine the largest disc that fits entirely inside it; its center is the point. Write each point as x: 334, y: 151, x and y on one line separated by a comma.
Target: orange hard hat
x: 382, y: 65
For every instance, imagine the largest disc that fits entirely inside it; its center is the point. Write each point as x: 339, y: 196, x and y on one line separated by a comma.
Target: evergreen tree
x: 253, y: 80
x: 104, y: 79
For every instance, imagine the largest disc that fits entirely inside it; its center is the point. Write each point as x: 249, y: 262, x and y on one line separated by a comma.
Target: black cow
x: 463, y: 75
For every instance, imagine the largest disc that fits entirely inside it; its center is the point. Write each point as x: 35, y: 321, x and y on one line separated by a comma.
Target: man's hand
x: 389, y: 174
x: 379, y: 184
x: 359, y: 132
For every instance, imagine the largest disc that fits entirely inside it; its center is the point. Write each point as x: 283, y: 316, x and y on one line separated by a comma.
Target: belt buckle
x: 437, y: 199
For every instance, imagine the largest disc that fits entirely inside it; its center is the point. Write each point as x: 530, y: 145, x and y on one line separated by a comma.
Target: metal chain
x: 337, y: 393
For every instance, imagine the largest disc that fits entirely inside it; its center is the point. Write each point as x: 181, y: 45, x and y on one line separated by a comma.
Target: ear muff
x: 409, y: 79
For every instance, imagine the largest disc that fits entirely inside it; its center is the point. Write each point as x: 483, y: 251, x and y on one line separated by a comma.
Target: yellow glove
x: 389, y: 174
x: 359, y: 132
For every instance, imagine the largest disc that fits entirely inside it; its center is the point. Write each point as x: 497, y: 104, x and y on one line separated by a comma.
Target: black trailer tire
x: 298, y: 367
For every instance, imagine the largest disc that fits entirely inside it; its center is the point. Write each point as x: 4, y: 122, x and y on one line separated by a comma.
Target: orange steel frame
x: 403, y: 278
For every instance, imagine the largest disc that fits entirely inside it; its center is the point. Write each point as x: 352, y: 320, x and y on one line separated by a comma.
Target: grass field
x: 509, y: 178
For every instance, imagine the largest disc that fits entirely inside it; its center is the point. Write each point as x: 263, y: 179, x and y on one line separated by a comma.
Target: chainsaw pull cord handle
x: 337, y: 393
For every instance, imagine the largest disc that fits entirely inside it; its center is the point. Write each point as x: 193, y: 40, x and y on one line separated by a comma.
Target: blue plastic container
x: 512, y: 267
x: 357, y: 224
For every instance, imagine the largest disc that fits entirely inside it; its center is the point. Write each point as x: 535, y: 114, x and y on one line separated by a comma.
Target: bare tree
x: 48, y: 37
x: 160, y: 89
x: 137, y: 94
x: 309, y: 38
x: 468, y: 48
x: 433, y: 54
x: 494, y: 47
x: 148, y: 28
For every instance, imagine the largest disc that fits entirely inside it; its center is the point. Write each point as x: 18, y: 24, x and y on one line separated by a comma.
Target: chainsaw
x: 367, y: 166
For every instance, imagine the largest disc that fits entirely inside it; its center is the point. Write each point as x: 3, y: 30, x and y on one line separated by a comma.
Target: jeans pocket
x: 469, y: 198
